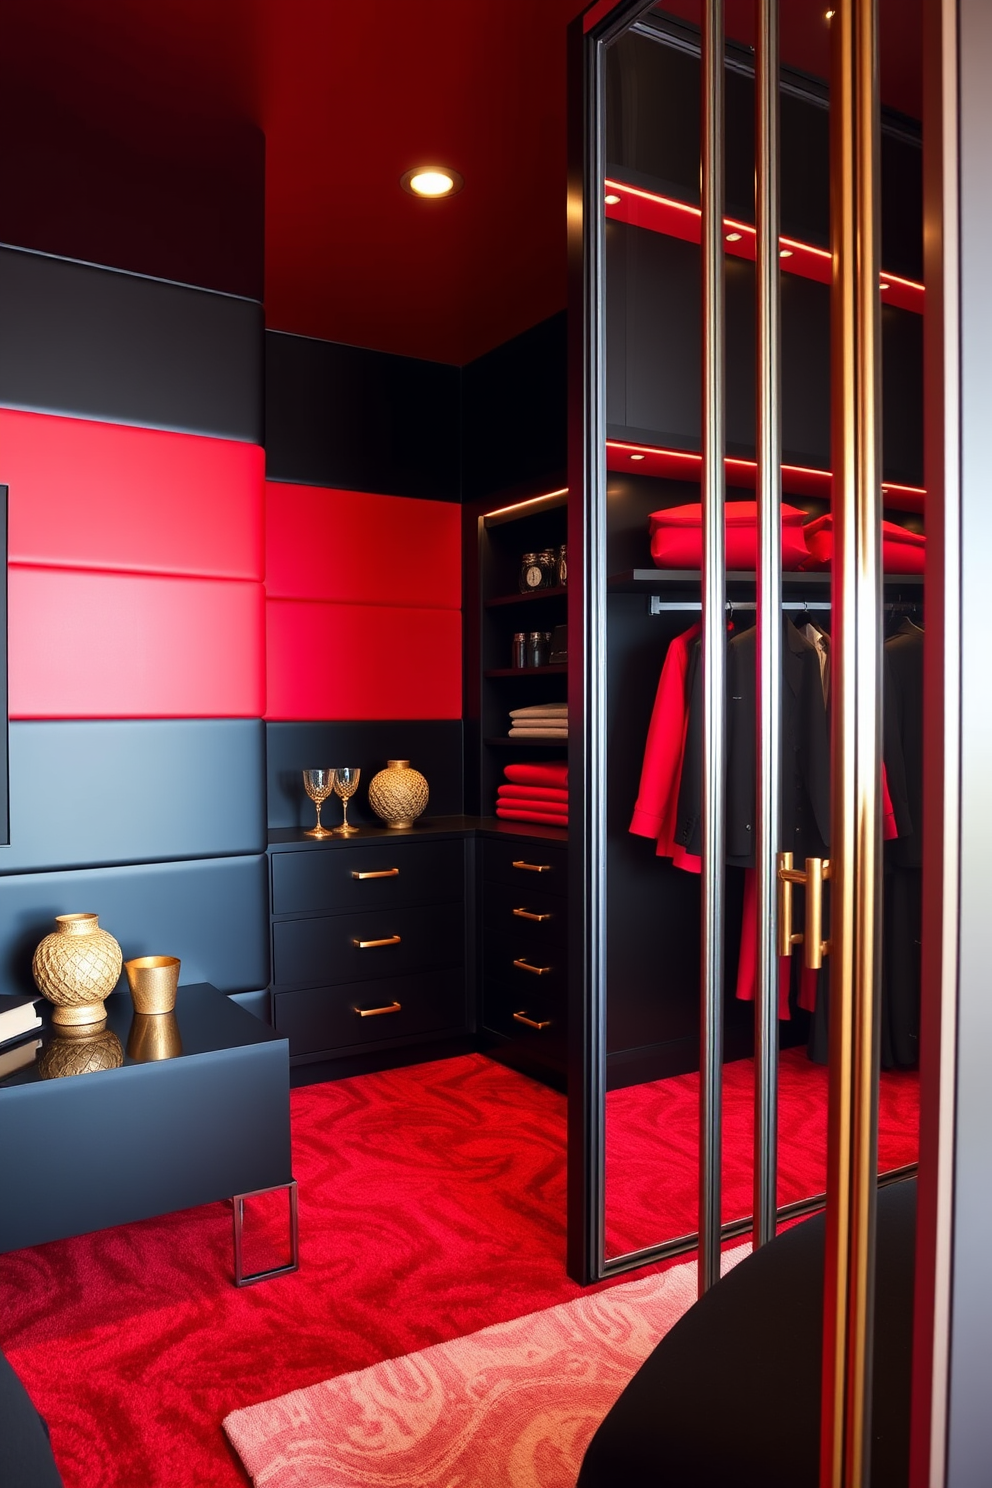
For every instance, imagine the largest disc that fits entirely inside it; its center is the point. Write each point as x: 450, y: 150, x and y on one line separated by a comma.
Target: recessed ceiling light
x: 612, y: 200
x: 734, y: 237
x: 828, y: 15
x: 785, y: 253
x: 637, y: 457
x: 432, y: 181
x: 883, y: 285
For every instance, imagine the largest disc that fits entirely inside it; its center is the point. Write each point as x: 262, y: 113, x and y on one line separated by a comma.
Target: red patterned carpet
x: 432, y: 1203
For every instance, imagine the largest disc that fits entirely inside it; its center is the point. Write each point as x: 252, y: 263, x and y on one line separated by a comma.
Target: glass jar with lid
x: 531, y: 573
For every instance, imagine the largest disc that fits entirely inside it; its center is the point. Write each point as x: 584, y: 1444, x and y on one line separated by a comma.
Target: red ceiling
x: 350, y: 94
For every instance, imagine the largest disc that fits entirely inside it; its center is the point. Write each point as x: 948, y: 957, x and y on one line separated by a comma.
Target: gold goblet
x: 318, y: 785
x: 345, y: 786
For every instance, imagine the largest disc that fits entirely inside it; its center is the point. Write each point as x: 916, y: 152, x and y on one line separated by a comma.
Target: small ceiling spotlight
x: 734, y: 237
x: 612, y: 200
x: 637, y: 457
x: 432, y: 181
x: 785, y: 253
x: 828, y: 15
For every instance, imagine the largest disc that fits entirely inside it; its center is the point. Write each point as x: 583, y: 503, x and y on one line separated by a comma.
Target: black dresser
x: 381, y: 941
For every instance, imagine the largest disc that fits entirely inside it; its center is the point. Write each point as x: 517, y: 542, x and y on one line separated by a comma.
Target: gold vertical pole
x: 769, y: 617
x: 855, y: 754
x: 714, y: 626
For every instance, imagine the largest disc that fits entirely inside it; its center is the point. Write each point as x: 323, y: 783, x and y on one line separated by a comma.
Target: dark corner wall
x: 232, y: 553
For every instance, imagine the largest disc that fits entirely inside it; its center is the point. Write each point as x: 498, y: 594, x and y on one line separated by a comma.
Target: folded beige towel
x: 543, y: 710
x: 539, y: 733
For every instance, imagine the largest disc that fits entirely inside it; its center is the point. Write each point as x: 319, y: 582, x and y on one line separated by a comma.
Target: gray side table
x: 194, y: 1110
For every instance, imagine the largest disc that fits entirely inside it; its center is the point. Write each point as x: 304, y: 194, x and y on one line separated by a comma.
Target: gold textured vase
x: 398, y: 794
x: 153, y: 981
x: 80, y: 1051
x: 76, y: 967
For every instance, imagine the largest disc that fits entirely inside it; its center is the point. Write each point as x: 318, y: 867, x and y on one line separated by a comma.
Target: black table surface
x: 207, y: 1022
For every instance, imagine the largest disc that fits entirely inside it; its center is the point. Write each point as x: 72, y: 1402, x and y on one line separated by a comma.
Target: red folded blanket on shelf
x: 522, y: 793
x: 546, y: 818
x: 553, y: 773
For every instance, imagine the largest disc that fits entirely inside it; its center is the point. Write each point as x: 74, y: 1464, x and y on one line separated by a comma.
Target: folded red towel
x: 554, y: 773
x: 546, y: 793
x: 547, y: 818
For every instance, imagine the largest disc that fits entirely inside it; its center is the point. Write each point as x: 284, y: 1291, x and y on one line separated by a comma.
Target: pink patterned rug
x: 512, y: 1406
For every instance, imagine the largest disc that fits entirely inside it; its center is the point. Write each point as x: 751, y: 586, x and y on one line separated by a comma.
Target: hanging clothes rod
x: 658, y: 606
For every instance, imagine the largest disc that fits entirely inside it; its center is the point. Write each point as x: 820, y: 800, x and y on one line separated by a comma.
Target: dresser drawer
x: 507, y: 909
x: 536, y: 1022
x: 510, y: 963
x: 330, y: 949
x: 519, y: 863
x: 330, y: 1018
x: 341, y: 880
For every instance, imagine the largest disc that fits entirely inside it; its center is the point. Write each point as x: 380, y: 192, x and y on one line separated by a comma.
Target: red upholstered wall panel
x: 100, y: 645
x: 332, y: 661
x: 354, y: 547
x: 107, y: 496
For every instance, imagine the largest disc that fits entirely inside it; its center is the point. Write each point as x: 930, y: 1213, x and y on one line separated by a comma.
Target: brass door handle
x: 394, y: 1007
x: 532, y: 867
x: 531, y: 1022
x: 811, y: 937
x: 536, y: 970
x: 368, y: 945
x: 528, y: 914
x: 379, y: 873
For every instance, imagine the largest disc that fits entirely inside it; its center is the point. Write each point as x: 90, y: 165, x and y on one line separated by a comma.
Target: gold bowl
x: 153, y: 981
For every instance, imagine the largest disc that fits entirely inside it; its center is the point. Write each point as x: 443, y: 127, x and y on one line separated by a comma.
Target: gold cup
x: 154, y: 1036
x: 153, y: 981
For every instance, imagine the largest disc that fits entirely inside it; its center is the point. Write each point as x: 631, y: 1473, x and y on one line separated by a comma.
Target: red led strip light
x: 662, y: 214
x: 797, y: 480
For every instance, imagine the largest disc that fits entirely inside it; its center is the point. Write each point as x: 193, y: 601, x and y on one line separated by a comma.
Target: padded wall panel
x: 109, y: 496
x: 96, y: 645
x: 361, y: 548
x: 363, y: 420
x: 433, y: 746
x: 362, y: 661
x: 86, y: 794
x: 213, y: 914
x: 100, y: 344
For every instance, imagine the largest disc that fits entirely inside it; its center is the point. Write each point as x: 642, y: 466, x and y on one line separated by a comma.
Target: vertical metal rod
x: 845, y: 1434
x: 769, y: 594
x: 713, y: 648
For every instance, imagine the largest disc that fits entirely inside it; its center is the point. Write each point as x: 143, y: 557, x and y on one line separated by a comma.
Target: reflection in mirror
x: 652, y: 560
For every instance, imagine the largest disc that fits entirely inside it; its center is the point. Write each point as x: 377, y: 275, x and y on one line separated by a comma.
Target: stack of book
x: 18, y: 1016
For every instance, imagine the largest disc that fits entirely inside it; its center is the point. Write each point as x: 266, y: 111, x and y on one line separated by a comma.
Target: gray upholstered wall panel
x: 213, y: 914
x: 84, y: 794
x: 97, y: 343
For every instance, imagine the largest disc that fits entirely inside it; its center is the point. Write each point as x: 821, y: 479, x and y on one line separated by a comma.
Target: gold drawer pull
x: 528, y: 914
x: 533, y: 867
x: 379, y: 873
x: 394, y: 1007
x: 531, y: 1022
x: 526, y: 966
x: 368, y: 945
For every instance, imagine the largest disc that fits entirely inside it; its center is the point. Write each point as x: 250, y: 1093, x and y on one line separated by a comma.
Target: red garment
x: 889, y: 828
x: 656, y: 808
x: 902, y: 551
x: 532, y: 793
x: 677, y: 536
x: 547, y: 818
x: 553, y: 773
x: 747, y: 965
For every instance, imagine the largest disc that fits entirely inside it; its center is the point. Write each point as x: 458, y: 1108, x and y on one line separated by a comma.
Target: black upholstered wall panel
x: 515, y: 412
x: 213, y: 914
x: 433, y: 747
x: 360, y: 420
x: 126, y: 791
x: 96, y: 343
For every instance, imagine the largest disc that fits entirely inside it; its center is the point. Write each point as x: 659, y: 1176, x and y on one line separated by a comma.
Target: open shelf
x: 529, y: 598
x: 504, y: 743
x: 553, y: 669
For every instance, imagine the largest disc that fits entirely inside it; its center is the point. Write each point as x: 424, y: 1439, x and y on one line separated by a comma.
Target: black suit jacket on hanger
x: 805, y: 752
